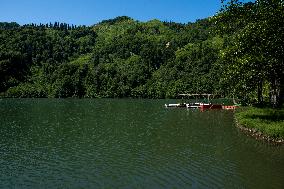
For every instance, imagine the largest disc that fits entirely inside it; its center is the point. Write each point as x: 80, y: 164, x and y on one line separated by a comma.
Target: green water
x: 111, y: 143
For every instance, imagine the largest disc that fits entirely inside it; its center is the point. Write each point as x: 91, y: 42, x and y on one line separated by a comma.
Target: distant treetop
x: 9, y: 25
x: 116, y: 20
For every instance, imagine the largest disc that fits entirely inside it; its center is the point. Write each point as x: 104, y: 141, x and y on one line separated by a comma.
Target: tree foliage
x: 238, y: 52
x: 255, y: 56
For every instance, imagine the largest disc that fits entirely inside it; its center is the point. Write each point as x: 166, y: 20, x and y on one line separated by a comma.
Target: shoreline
x: 256, y: 134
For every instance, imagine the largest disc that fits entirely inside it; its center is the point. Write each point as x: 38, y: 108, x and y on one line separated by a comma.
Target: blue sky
x: 88, y: 12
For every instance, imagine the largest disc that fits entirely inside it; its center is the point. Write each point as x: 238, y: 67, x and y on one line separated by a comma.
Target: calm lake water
x: 111, y: 143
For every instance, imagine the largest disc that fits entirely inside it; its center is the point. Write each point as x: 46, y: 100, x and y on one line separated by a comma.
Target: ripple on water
x: 109, y: 143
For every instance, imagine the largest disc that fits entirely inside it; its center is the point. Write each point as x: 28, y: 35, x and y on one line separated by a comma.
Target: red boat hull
x: 211, y: 106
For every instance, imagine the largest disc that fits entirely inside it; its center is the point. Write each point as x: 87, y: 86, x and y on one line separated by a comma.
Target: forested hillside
x: 237, y: 52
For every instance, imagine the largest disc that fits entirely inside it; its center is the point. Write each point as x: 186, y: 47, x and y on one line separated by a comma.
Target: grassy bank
x: 264, y: 121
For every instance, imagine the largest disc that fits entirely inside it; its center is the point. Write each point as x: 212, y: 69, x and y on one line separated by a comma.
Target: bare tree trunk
x: 275, y: 98
x: 281, y: 97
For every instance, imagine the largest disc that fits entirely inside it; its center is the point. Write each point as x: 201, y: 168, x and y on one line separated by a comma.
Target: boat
x: 179, y: 105
x: 211, y: 106
x: 202, y: 105
x: 193, y: 105
x: 230, y: 107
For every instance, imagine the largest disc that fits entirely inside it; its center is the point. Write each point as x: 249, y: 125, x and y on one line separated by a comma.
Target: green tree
x: 256, y: 55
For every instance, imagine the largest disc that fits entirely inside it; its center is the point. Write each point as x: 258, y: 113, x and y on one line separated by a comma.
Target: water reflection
x: 106, y: 143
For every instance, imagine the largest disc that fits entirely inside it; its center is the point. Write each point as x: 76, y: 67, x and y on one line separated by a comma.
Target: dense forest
x: 238, y: 53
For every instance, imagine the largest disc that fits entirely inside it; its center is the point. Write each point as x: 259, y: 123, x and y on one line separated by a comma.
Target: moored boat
x: 193, y: 105
x: 210, y: 106
x: 230, y: 107
x: 179, y: 105
x: 205, y: 104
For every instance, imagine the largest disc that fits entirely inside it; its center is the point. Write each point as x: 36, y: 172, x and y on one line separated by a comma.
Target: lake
x: 129, y: 143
